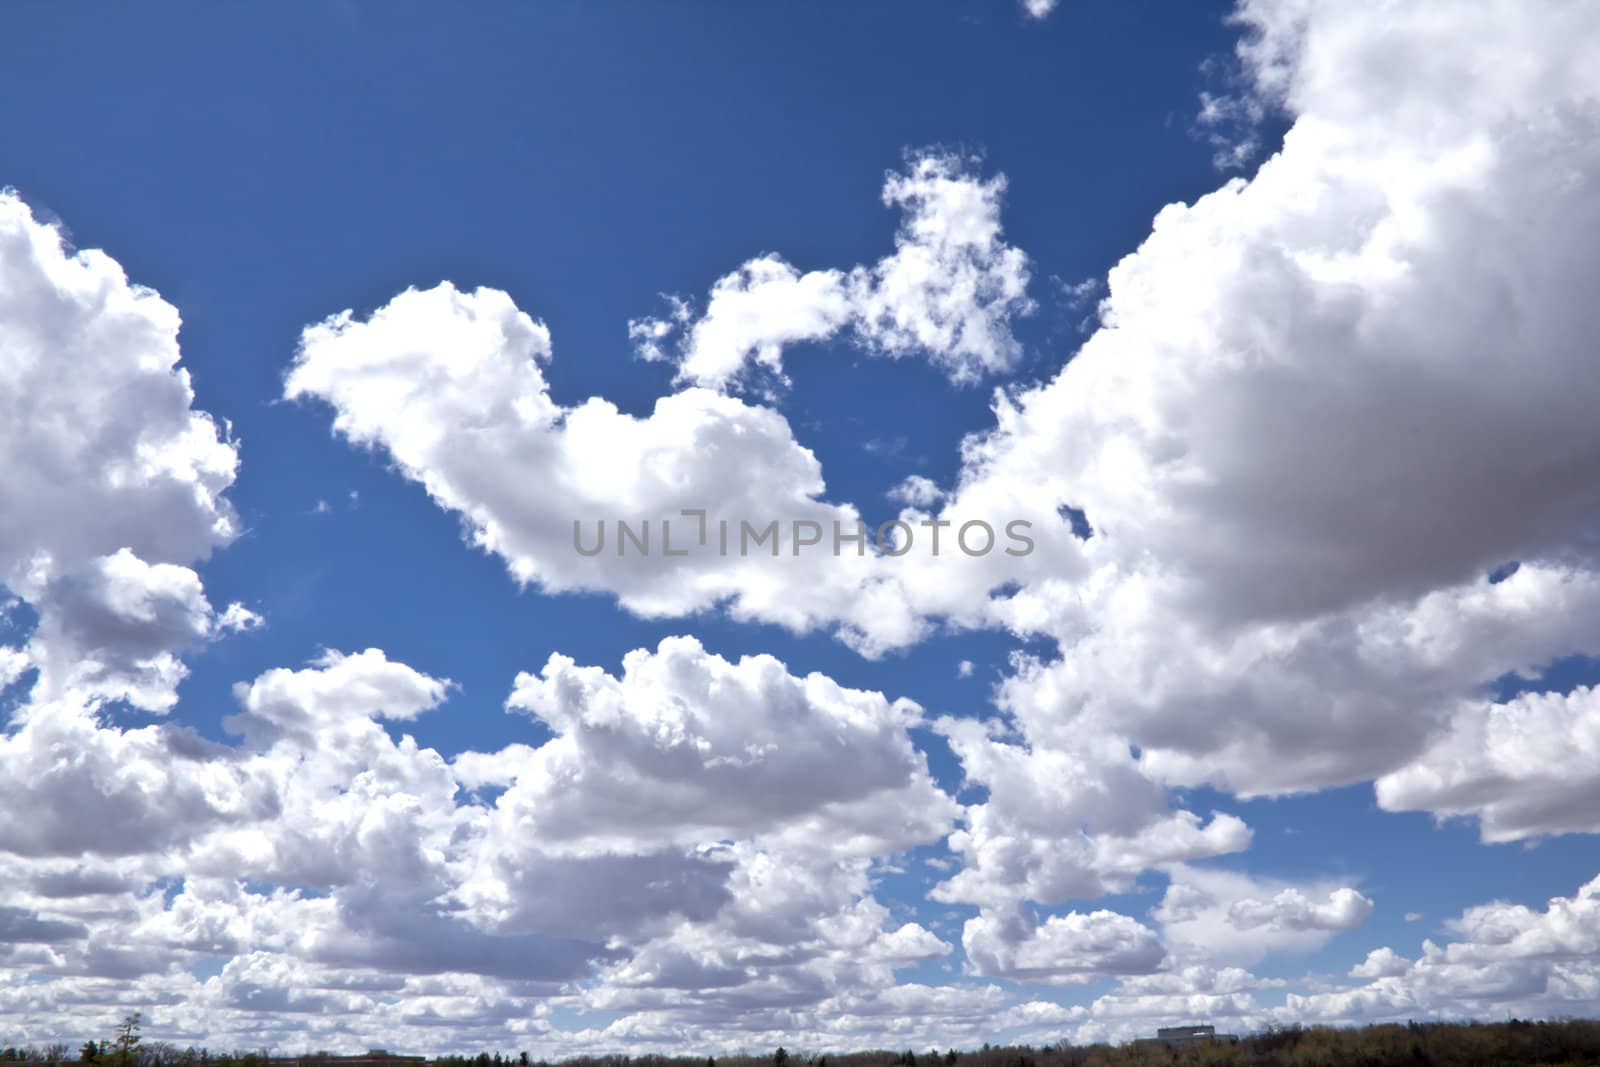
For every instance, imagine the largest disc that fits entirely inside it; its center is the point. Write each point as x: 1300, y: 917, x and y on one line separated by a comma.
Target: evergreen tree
x: 126, y: 1046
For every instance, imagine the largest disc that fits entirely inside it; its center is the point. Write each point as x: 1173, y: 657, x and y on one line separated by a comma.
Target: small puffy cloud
x: 948, y: 292
x: 917, y: 491
x: 350, y: 798
x: 1382, y: 962
x: 236, y: 618
x: 1524, y: 767
x: 750, y: 315
x: 1292, y: 910
x: 1231, y: 917
x: 337, y: 689
x: 1069, y: 949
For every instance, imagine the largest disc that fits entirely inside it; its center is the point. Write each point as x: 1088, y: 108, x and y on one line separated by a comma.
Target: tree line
x: 1515, y: 1043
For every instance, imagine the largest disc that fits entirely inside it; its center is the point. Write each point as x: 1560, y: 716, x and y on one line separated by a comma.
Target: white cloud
x: 750, y: 314
x: 1522, y: 767
x: 1323, y: 405
x: 685, y: 746
x: 1382, y: 962
x: 333, y: 866
x: 73, y: 788
x: 113, y: 481
x: 1062, y: 822
x: 948, y: 291
x: 1063, y: 949
x: 1217, y: 916
x: 448, y: 385
x: 1506, y: 959
x: 917, y: 491
x: 115, y: 628
x: 652, y: 774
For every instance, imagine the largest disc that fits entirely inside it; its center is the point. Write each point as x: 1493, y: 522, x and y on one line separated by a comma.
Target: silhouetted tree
x: 125, y: 1047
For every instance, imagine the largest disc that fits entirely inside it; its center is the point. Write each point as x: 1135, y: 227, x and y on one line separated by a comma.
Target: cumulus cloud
x: 1324, y: 405
x: 654, y: 777
x: 688, y: 746
x: 1382, y: 962
x: 917, y: 491
x: 341, y: 870
x: 448, y: 385
x: 75, y: 788
x: 330, y: 862
x: 1066, y: 949
x: 948, y: 292
x: 1522, y: 767
x: 117, y: 627
x: 1212, y: 916
x: 114, y: 483
x: 1505, y: 959
x: 1061, y: 822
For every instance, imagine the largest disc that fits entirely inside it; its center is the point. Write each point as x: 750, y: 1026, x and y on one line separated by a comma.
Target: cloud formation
x: 114, y: 483
x: 1321, y: 477
x: 948, y: 292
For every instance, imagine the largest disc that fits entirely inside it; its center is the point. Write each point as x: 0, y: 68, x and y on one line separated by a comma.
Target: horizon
x: 136, y: 1049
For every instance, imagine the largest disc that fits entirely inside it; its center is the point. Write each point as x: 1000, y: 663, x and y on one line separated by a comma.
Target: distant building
x: 373, y: 1058
x: 1185, y: 1035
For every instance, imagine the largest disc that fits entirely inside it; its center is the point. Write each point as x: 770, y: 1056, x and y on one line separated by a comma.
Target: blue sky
x: 1302, y: 435
x: 336, y: 158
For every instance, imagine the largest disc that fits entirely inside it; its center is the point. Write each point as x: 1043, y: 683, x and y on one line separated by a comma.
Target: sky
x: 1258, y: 340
